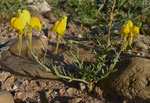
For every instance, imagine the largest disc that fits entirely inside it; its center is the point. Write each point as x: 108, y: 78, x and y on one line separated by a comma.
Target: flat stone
x: 4, y: 75
x: 140, y: 46
x: 132, y: 80
x: 6, y: 97
x: 8, y: 83
x: 24, y: 65
x: 41, y: 7
x: 25, y: 68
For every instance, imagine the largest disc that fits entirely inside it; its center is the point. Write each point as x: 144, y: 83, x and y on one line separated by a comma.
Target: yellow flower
x: 129, y: 23
x: 60, y: 25
x: 20, y: 21
x: 16, y: 23
x: 24, y: 16
x: 128, y: 30
x: 134, y: 30
x: 34, y: 22
x: 124, y: 30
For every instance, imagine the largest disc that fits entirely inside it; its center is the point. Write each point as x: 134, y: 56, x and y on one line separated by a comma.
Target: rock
x: 23, y: 95
x: 29, y: 1
x: 50, y: 16
x: 71, y: 91
x: 39, y: 44
x: 6, y: 97
x: 41, y: 7
x: 98, y: 90
x: 38, y: 15
x: 62, y: 92
x: 82, y: 86
x: 23, y: 65
x: 97, y: 101
x: 140, y: 46
x: 74, y: 100
x: 4, y: 76
x: 8, y: 83
x: 132, y: 80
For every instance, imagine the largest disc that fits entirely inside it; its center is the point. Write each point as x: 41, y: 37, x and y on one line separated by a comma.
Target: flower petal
x: 34, y: 22
x: 124, y: 30
x: 25, y: 16
x: 134, y: 30
x: 18, y: 24
x: 129, y: 23
x: 60, y: 25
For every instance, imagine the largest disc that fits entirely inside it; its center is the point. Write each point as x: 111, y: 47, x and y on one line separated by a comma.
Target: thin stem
x: 73, y: 79
x: 58, y: 40
x: 35, y: 57
x: 19, y: 42
x: 111, y: 18
x: 30, y: 39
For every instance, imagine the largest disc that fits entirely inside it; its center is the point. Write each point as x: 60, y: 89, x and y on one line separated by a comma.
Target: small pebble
x: 138, y: 54
x: 82, y: 86
x: 14, y: 87
x: 129, y: 51
x: 79, y: 36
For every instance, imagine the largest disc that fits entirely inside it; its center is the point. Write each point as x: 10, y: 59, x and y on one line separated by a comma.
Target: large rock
x: 40, y: 6
x: 24, y: 65
x: 6, y: 97
x: 132, y: 80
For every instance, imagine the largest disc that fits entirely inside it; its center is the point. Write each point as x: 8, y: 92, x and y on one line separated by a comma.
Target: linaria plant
x: 59, y: 28
x: 23, y: 24
x: 128, y: 30
x: 19, y: 22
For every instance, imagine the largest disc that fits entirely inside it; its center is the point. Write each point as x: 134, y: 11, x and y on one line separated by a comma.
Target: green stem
x: 73, y: 79
x: 35, y: 57
x: 125, y: 43
x: 30, y: 39
x: 58, y: 40
x: 19, y: 42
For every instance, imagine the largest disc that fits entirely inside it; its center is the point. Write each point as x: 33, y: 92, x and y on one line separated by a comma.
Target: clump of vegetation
x: 8, y: 8
x: 89, y: 13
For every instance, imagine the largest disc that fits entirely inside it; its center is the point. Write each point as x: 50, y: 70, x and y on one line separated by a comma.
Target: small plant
x: 59, y: 28
x: 94, y: 72
x: 128, y: 30
x: 23, y: 25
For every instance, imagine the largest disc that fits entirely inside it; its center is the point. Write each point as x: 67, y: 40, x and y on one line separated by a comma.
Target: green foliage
x: 9, y: 7
x: 95, y: 12
x: 94, y: 72
x: 136, y: 10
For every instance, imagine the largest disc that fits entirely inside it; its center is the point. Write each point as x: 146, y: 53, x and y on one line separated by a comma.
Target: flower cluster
x: 23, y: 23
x: 128, y: 30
